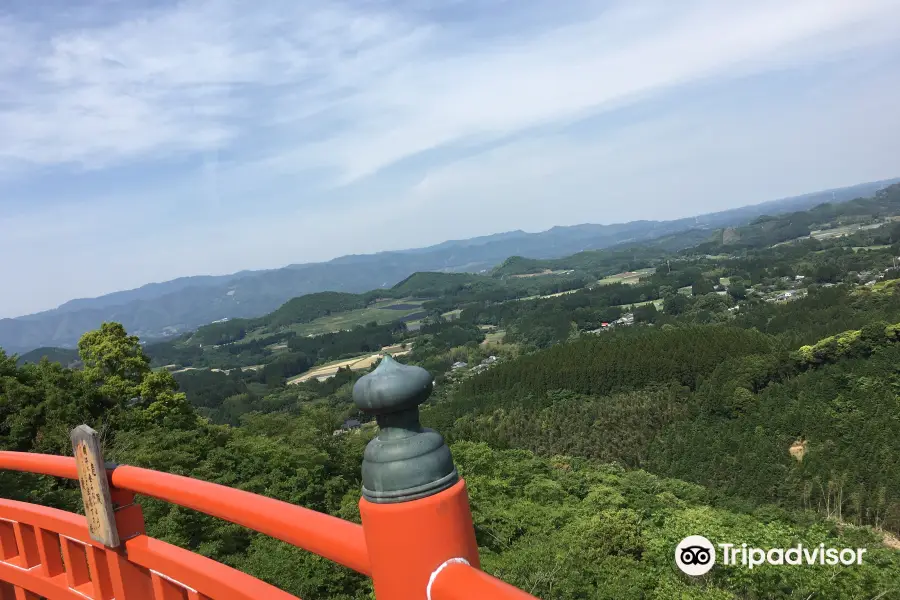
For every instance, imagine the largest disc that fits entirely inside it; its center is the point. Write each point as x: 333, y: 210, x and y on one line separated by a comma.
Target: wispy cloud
x: 202, y: 75
x: 178, y: 121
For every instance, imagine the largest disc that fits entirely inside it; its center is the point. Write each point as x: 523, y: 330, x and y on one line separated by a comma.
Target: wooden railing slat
x: 163, y: 589
x: 27, y: 543
x: 130, y: 581
x: 9, y: 549
x: 98, y: 565
x: 50, y: 553
x: 75, y: 561
x: 52, y: 589
x: 23, y: 594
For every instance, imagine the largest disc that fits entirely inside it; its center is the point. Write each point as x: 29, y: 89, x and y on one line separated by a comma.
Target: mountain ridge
x: 163, y: 309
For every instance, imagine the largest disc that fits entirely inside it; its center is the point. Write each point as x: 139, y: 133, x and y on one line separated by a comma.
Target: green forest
x: 745, y: 389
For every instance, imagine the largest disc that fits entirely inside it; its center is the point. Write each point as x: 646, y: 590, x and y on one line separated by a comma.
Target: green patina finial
x: 405, y: 461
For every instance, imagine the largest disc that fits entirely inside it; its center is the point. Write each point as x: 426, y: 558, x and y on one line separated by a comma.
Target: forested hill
x: 771, y: 229
x: 332, y: 325
x: 559, y: 525
x: 751, y: 415
x: 166, y: 309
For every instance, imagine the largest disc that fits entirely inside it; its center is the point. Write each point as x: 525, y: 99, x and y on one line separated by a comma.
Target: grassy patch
x: 545, y: 296
x: 882, y: 287
x: 658, y: 303
x: 630, y: 277
x: 383, y: 311
x: 881, y: 247
x: 494, y: 338
x: 543, y: 273
x: 824, y: 234
x: 357, y: 363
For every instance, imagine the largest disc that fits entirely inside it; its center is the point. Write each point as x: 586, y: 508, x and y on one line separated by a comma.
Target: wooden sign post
x: 98, y: 507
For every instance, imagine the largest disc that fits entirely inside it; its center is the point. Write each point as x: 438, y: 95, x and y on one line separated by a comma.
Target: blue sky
x: 142, y: 141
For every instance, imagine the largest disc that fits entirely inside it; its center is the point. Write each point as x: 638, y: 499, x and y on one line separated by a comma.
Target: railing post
x: 415, y: 509
x: 113, y: 517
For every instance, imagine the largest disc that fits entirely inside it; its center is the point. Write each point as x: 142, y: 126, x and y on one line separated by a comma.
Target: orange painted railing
x: 422, y: 549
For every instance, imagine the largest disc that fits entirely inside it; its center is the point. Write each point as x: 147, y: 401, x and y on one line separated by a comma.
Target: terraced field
x: 384, y: 311
x: 629, y: 277
x: 354, y: 364
x: 543, y: 273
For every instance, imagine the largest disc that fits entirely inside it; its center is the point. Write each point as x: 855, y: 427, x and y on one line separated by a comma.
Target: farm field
x: 174, y: 370
x: 543, y: 273
x: 658, y: 303
x: 879, y: 247
x: 494, y: 338
x: 354, y: 364
x: 382, y: 312
x: 824, y: 234
x: 629, y: 277
x: 548, y: 295
x: 835, y: 232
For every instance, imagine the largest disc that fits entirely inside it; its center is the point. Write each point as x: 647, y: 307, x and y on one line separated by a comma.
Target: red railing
x: 422, y: 549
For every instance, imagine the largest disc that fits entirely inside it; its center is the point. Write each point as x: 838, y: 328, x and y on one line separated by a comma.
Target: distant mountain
x: 476, y: 241
x: 161, y: 310
x: 66, y: 357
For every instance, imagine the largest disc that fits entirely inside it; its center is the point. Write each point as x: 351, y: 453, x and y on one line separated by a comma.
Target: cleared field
x: 453, y: 314
x: 880, y: 287
x: 494, y: 338
x: 402, y: 306
x: 548, y: 295
x: 880, y: 247
x: 381, y: 312
x: 686, y: 290
x: 226, y: 371
x: 835, y: 232
x: 354, y: 364
x: 557, y: 294
x: 543, y: 273
x: 658, y: 303
x: 824, y: 234
x: 629, y: 277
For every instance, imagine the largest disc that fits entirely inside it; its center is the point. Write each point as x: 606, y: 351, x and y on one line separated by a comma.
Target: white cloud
x: 287, y: 109
x: 687, y: 161
x: 205, y: 73
x: 578, y: 69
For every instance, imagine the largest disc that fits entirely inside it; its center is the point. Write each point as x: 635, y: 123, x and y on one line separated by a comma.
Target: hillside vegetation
x: 558, y: 526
